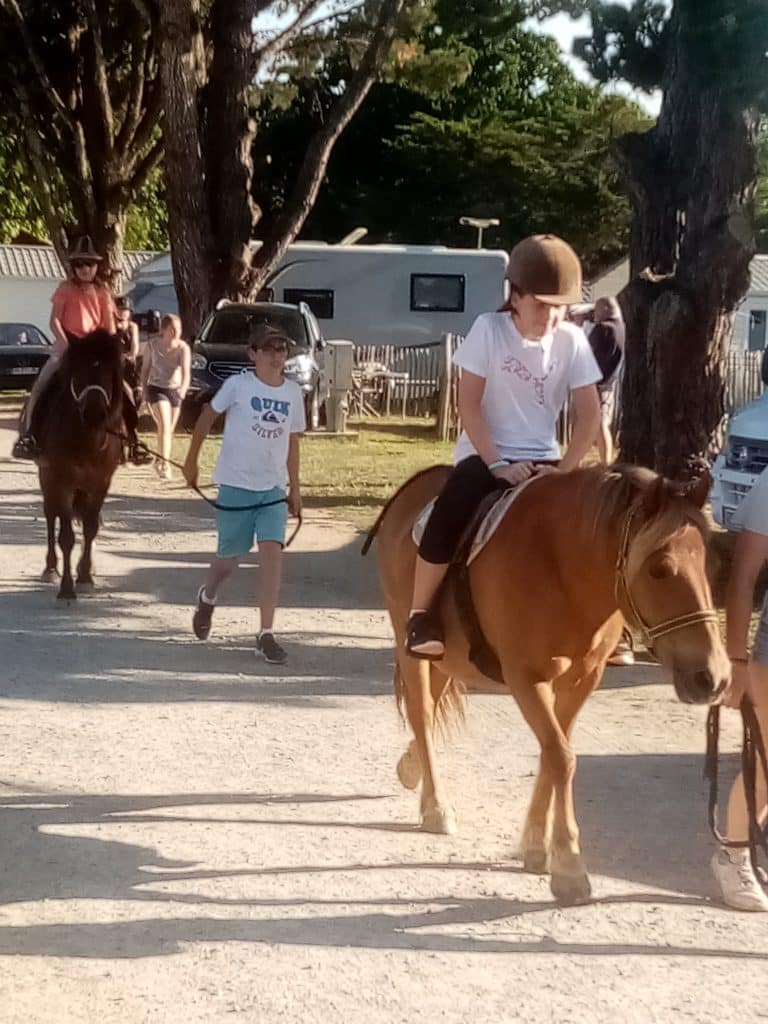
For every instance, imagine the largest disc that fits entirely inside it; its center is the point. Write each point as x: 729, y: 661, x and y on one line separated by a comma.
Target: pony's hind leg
x: 51, y: 562
x: 415, y: 677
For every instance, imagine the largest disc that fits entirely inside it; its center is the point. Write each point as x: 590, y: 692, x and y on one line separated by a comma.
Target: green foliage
x: 147, y: 222
x: 519, y: 139
x: 19, y: 213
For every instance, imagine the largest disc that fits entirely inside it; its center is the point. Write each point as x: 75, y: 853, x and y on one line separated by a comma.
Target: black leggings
x: 465, y: 488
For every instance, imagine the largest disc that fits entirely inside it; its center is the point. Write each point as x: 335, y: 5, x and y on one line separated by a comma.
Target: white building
x: 29, y: 275
x: 750, y: 330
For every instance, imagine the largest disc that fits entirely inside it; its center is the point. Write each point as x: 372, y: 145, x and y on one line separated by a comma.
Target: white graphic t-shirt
x: 260, y: 421
x: 526, y: 383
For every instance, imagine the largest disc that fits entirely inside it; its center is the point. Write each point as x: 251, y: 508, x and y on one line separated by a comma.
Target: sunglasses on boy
x: 274, y: 346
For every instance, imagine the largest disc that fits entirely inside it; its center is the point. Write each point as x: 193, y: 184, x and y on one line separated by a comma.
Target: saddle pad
x: 487, y: 527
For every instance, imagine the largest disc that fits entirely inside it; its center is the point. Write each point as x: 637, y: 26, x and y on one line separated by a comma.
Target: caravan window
x: 319, y: 300
x: 757, y: 325
x: 437, y: 293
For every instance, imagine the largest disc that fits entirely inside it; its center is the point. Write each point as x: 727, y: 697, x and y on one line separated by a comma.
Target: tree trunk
x: 691, y: 180
x: 182, y: 70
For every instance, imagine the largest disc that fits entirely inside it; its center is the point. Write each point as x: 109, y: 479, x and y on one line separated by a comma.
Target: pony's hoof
x: 409, y: 769
x: 571, y: 890
x: 67, y: 595
x: 49, y: 576
x: 440, y: 821
x: 536, y: 862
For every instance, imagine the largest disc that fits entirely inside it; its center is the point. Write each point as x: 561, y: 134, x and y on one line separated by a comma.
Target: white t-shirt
x: 260, y: 421
x: 526, y: 383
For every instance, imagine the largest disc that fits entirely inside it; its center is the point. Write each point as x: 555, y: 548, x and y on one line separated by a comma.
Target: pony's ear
x: 655, y: 495
x: 697, y: 492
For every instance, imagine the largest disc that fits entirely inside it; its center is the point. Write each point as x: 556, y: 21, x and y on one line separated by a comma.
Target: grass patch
x: 352, y: 476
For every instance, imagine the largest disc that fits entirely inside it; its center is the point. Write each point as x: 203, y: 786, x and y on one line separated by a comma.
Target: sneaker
x: 740, y: 888
x: 423, y: 637
x: 25, y: 447
x: 624, y: 652
x: 201, y: 620
x: 270, y: 648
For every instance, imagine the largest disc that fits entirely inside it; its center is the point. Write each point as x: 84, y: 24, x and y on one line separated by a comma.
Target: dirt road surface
x: 189, y: 835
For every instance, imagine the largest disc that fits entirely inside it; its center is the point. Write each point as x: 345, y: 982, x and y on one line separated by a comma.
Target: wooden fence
x: 431, y: 388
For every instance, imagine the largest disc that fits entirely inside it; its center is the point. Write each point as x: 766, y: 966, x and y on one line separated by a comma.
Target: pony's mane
x: 620, y: 492
x: 98, y: 344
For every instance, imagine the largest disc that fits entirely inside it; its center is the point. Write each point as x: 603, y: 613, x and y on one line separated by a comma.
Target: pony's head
x: 662, y: 583
x: 93, y: 368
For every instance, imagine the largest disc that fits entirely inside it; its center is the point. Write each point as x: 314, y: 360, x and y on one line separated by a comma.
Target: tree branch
x: 100, y: 81
x: 12, y: 7
x: 262, y: 52
x: 319, y: 150
x: 145, y: 166
x: 139, y: 53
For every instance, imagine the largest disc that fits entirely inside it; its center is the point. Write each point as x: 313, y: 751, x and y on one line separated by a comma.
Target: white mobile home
x: 370, y: 294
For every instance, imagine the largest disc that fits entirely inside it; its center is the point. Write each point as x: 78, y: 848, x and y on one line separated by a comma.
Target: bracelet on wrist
x: 499, y: 464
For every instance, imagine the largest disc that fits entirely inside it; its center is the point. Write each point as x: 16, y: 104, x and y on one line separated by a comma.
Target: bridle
x: 79, y: 396
x: 650, y: 633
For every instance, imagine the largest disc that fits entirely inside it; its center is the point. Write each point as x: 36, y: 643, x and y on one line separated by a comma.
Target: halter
x: 651, y: 633
x: 78, y: 397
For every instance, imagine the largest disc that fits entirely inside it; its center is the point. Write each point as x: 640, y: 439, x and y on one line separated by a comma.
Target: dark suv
x: 222, y: 350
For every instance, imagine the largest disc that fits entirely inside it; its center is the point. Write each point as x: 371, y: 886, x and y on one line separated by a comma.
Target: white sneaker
x: 740, y: 888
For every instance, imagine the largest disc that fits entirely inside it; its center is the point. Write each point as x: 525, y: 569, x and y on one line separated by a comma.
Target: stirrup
x: 25, y: 447
x: 138, y: 455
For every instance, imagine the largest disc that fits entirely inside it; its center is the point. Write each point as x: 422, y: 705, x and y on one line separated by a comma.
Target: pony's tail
x: 448, y: 695
x: 371, y: 535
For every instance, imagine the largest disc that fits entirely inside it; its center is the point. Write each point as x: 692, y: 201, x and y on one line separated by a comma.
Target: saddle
x: 483, y: 525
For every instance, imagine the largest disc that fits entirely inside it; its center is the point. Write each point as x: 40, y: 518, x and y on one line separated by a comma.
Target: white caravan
x: 369, y: 294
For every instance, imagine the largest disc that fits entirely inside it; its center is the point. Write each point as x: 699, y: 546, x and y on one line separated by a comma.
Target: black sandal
x: 424, y: 637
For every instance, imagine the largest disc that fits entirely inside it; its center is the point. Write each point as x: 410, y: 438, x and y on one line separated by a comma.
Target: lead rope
x: 753, y: 756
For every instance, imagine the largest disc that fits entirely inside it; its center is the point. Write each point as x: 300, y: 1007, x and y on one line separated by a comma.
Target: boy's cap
x: 264, y: 335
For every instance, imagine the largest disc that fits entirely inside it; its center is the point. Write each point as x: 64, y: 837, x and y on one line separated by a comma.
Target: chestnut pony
x: 575, y: 556
x: 81, y: 446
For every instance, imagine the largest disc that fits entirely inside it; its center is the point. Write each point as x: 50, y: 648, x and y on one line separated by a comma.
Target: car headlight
x: 198, y: 362
x: 299, y: 369
x: 737, y: 456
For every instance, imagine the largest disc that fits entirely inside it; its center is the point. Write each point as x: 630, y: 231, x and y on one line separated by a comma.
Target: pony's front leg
x: 436, y: 813
x: 569, y: 881
x: 66, y: 543
x: 536, y: 844
x: 91, y: 512
x: 51, y: 562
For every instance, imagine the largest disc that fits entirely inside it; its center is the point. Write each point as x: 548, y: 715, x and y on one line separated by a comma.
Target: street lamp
x: 481, y: 223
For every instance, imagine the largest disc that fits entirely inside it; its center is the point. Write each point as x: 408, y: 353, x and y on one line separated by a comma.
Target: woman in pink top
x: 81, y: 304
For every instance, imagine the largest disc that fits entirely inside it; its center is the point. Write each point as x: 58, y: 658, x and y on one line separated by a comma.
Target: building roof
x: 758, y: 272
x: 41, y: 262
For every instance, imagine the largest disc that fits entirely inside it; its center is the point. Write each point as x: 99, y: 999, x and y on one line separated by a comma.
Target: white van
x: 742, y: 460
x: 370, y: 294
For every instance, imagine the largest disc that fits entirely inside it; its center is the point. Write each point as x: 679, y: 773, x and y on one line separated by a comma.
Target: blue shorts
x: 238, y: 530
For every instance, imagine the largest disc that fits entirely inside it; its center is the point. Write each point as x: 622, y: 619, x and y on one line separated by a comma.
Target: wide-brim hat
x: 83, y: 250
x: 546, y: 267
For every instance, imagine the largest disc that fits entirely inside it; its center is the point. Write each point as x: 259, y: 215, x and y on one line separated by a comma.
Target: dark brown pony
x: 575, y: 556
x: 80, y: 443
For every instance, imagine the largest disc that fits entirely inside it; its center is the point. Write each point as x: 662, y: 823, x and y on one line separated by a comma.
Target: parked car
x: 222, y: 350
x: 23, y: 351
x: 743, y: 458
